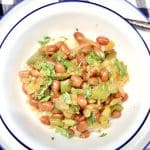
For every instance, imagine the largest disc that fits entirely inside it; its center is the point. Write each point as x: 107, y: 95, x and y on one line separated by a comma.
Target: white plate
x: 20, y: 121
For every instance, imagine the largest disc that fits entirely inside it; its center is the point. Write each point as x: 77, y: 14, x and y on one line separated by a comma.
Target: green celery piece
x: 65, y: 86
x: 67, y: 98
x: 42, y: 93
x: 34, y: 60
x: 45, y: 99
x: 77, y: 91
x: 92, y: 58
x: 103, y: 90
x: 67, y: 63
x: 88, y: 91
x: 69, y: 122
x: 60, y: 76
x: 91, y: 119
x: 63, y: 132
x: 121, y: 67
x: 56, y: 122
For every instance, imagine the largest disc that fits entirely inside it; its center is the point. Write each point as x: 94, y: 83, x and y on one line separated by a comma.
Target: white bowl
x: 62, y: 19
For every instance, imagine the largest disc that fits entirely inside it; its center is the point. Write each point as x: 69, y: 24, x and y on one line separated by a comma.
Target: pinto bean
x: 116, y: 114
x: 55, y: 86
x: 79, y: 117
x: 46, y: 106
x: 81, y: 100
x: 50, y: 61
x: 94, y: 73
x: 124, y: 97
x: 59, y: 68
x: 24, y: 73
x: 93, y: 81
x: 79, y: 37
x: 85, y: 134
x: 54, y: 97
x: 45, y: 120
x: 102, y: 40
x: 33, y: 102
x: 65, y: 49
x: 71, y: 132
x: 76, y: 81
x: 104, y: 75
x: 52, y: 48
x: 82, y: 126
x: 35, y: 73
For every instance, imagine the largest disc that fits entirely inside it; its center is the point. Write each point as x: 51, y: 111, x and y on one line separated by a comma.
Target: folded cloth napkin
x: 142, y: 5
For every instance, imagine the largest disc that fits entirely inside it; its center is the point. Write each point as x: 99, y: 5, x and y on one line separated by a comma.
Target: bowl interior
x: 62, y: 20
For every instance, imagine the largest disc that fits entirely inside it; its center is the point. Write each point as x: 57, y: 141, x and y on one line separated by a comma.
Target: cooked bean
x: 85, y: 134
x: 65, y: 49
x: 35, y: 73
x: 79, y: 37
x: 52, y: 48
x: 76, y: 81
x: 97, y: 116
x: 45, y: 120
x: 116, y: 114
x: 59, y: 68
x: 117, y: 95
x: 94, y: 73
x: 102, y: 40
x: 79, y: 117
x: 33, y: 102
x: 104, y: 74
x: 93, y: 81
x: 45, y: 106
x: 71, y: 132
x: 82, y: 126
x: 54, y: 97
x: 124, y: 97
x: 80, y: 59
x: 81, y: 100
x: 55, y: 86
x: 24, y: 73
x: 50, y: 61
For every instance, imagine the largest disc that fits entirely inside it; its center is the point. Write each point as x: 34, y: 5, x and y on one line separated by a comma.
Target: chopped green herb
x: 88, y: 91
x: 92, y: 58
x: 45, y: 99
x: 91, y: 119
x: 103, y: 134
x: 44, y: 41
x: 46, y: 69
x: 52, y: 138
x: 67, y: 98
x: 67, y: 63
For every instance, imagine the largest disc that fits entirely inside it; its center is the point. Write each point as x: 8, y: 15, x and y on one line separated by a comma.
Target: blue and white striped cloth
x: 142, y: 5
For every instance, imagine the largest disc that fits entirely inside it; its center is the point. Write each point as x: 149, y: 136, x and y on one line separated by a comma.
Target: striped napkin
x: 142, y: 5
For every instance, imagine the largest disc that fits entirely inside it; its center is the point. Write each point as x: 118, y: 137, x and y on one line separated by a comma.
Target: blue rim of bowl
x: 59, y: 2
